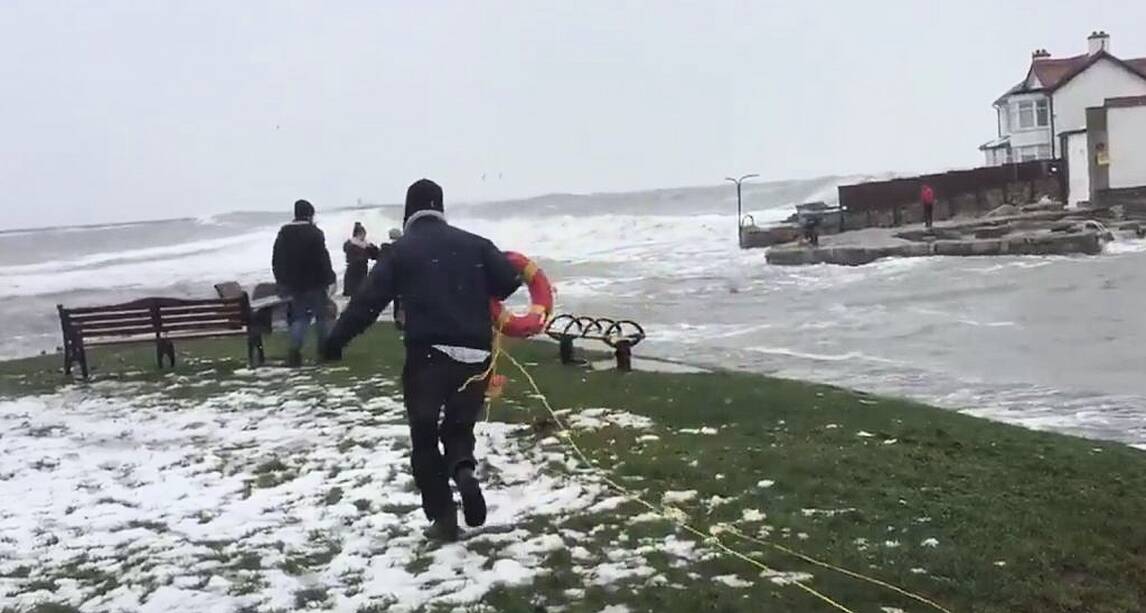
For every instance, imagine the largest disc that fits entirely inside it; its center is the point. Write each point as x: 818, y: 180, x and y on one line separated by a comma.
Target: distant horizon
x: 286, y: 208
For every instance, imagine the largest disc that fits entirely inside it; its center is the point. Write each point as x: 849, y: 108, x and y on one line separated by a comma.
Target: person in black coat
x: 303, y: 273
x: 446, y: 277
x: 358, y: 252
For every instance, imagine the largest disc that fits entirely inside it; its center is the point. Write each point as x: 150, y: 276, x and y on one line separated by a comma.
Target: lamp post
x: 739, y: 213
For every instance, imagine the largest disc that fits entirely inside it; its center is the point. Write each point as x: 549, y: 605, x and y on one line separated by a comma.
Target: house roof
x: 1053, y: 73
x: 1050, y: 72
x: 1124, y: 101
x: 998, y: 143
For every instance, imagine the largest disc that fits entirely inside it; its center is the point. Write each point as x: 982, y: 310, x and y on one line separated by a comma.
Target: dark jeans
x: 430, y: 382
x: 305, y: 306
x: 928, y: 214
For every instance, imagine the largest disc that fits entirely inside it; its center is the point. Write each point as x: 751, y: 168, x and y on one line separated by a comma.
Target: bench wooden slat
x: 191, y: 335
x: 219, y: 325
x: 94, y: 322
x: 147, y: 303
x: 146, y: 314
x: 119, y: 331
x: 127, y: 327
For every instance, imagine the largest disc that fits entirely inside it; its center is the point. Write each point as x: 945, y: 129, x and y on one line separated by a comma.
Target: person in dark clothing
x: 927, y: 199
x: 396, y: 306
x: 358, y: 252
x: 303, y: 272
x: 446, y: 277
x: 812, y: 229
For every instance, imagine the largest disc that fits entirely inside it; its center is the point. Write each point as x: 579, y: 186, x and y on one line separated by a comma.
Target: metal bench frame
x: 621, y: 335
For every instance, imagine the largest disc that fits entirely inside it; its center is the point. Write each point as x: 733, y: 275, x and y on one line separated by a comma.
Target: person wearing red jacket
x: 927, y: 197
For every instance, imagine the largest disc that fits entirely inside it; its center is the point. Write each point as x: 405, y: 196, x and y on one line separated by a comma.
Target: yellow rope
x: 838, y: 569
x: 673, y: 515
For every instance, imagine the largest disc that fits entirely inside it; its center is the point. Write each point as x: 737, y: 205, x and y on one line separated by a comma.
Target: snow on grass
x: 133, y: 499
x: 595, y: 419
x: 678, y: 497
x: 765, y: 484
x: 826, y: 512
x: 753, y: 515
x: 931, y: 542
x: 708, y: 431
x: 785, y: 578
x: 733, y: 581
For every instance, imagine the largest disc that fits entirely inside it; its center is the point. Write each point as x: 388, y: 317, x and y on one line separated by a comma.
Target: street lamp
x: 739, y: 213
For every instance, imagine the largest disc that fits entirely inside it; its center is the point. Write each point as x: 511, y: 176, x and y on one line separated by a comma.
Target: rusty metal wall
x: 887, y: 195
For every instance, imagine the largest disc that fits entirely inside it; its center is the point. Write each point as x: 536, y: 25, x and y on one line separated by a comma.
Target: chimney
x: 1098, y: 41
x: 1040, y: 54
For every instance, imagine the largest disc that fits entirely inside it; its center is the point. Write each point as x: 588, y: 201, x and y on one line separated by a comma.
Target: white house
x: 1106, y: 162
x: 1052, y: 100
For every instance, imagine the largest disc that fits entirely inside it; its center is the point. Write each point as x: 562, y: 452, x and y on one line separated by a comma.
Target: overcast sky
x: 115, y: 111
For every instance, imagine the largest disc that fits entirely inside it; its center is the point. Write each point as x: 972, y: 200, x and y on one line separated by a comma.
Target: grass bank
x: 975, y: 515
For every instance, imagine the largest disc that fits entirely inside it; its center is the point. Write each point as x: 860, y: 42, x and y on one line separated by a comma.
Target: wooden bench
x: 157, y: 320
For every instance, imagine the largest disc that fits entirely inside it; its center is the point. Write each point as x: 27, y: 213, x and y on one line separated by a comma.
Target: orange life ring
x: 540, y: 295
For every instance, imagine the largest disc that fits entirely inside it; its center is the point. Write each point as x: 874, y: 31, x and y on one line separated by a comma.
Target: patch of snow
x: 717, y: 501
x: 167, y: 490
x: 707, y: 430
x: 864, y: 434
x: 931, y: 542
x: 677, y: 497
x: 595, y: 419
x: 648, y: 438
x: 766, y: 483
x: 733, y: 581
x: 752, y: 515
x: 826, y: 512
x: 783, y: 578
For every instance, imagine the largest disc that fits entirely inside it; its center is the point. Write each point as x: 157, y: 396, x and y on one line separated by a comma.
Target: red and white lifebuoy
x: 540, y: 297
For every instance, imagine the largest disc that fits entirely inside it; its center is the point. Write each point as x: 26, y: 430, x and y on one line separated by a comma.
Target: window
x: 1005, y: 119
x: 1026, y: 115
x: 1031, y: 114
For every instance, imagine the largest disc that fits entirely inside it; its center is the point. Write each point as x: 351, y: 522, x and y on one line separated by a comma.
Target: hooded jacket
x: 445, y: 277
x: 301, y: 262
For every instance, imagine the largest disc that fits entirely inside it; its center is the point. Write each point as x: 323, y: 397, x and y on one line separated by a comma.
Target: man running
x: 445, y: 277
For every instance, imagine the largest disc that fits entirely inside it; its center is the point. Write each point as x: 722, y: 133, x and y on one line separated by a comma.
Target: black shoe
x: 445, y: 528
x: 294, y: 358
x: 473, y: 503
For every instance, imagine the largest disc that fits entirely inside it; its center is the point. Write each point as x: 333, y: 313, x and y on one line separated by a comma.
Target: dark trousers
x: 440, y: 414
x: 355, y: 274
x: 928, y: 214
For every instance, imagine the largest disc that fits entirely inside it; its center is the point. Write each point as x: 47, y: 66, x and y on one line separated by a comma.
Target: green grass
x: 1023, y: 521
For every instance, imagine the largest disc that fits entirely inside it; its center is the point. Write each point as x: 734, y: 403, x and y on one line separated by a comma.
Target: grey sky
x: 127, y: 110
